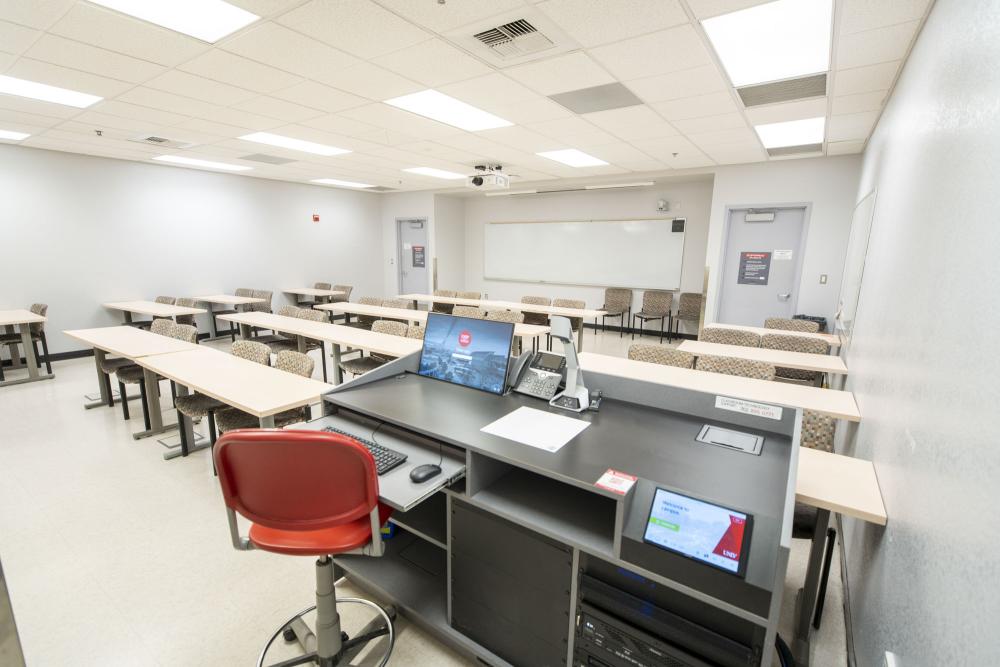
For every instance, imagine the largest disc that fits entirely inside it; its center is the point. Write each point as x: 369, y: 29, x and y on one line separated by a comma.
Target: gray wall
x: 79, y: 231
x: 924, y: 363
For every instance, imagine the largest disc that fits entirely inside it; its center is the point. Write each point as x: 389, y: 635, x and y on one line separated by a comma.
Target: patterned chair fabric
x: 162, y: 326
x: 244, y: 291
x: 818, y: 430
x: 574, y: 322
x: 288, y: 361
x: 186, y: 303
x: 405, y: 304
x: 252, y: 351
x: 184, y: 332
x: 505, y: 316
x: 413, y: 331
x: 806, y: 326
x: 469, y: 295
x: 733, y: 366
x: 443, y: 307
x: 131, y: 374
x: 196, y: 406
x: 167, y: 300
x: 469, y: 311
x: 540, y: 319
x: 366, y: 321
x: 295, y: 362
x: 796, y: 344
x: 391, y: 327
x: 318, y: 299
x: 362, y: 365
x: 660, y: 354
x: 689, y: 306
x: 655, y: 304
x: 289, y: 311
x: 730, y: 337
x: 346, y: 296
x: 265, y: 305
x: 37, y: 328
x: 322, y: 286
x: 617, y: 300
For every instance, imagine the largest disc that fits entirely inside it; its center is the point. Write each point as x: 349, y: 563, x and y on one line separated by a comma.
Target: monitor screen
x: 465, y: 351
x: 709, y: 533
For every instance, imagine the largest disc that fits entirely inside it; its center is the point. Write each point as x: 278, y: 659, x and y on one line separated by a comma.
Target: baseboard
x: 611, y: 328
x: 852, y: 658
x: 55, y: 356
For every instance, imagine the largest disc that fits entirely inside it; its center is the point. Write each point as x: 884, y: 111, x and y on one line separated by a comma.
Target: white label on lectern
x: 748, y: 407
x: 616, y: 481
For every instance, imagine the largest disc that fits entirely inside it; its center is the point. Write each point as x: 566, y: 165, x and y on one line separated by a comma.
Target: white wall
x: 687, y: 200
x: 78, y: 231
x: 449, y: 241
x: 402, y: 205
x: 828, y: 185
x: 923, y: 358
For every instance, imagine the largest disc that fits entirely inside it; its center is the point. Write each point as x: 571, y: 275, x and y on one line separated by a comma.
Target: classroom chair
x: 733, y: 366
x: 511, y: 316
x: 656, y: 305
x: 132, y: 373
x: 688, y: 310
x: 443, y: 307
x: 346, y: 296
x: 415, y: 331
x: 469, y: 311
x: 145, y: 324
x: 725, y: 336
x: 366, y: 321
x: 230, y: 419
x: 279, y: 341
x: 37, y: 333
x: 186, y: 319
x: 313, y: 343
x: 797, y: 344
x: 617, y: 302
x: 240, y: 291
x: 406, y: 304
x: 469, y: 295
x: 364, y: 364
x: 309, y: 302
x: 539, y: 319
x: 260, y: 307
x: 788, y: 324
x: 660, y: 354
x: 308, y: 493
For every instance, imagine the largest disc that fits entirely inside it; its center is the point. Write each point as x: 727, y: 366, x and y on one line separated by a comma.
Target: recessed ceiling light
x: 773, y: 41
x: 610, y: 186
x: 46, y: 93
x: 573, y: 158
x: 440, y: 107
x: 792, y: 132
x: 436, y: 173
x: 294, y: 144
x: 344, y: 184
x: 207, y: 20
x: 11, y: 135
x: 207, y: 164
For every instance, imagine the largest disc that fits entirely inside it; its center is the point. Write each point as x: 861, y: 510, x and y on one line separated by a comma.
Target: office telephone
x: 539, y: 374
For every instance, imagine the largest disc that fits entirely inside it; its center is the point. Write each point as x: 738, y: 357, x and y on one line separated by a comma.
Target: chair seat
x: 8, y: 338
x: 361, y: 365
x: 650, y: 316
x: 109, y: 366
x: 612, y: 312
x: 326, y: 541
x: 197, y: 405
x: 231, y: 419
x: 130, y: 374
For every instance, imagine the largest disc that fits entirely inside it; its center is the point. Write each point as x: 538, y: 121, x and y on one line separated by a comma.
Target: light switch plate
x: 822, y: 279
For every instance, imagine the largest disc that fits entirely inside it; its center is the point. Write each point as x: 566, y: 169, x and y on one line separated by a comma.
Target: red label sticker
x: 464, y: 338
x: 614, y: 480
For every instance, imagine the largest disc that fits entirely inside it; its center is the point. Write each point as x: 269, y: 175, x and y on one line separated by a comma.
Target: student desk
x: 823, y: 363
x: 151, y: 308
x: 23, y: 319
x: 832, y: 339
x: 487, y: 305
x: 313, y: 292
x: 224, y: 300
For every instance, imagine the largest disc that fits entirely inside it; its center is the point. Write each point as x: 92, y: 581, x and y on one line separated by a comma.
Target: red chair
x: 307, y: 493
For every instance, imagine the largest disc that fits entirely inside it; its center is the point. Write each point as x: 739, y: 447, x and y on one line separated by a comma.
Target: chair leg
x: 322, y: 358
x: 173, y: 394
x: 145, y: 404
x: 632, y: 325
x: 45, y: 349
x: 663, y: 321
x: 124, y: 400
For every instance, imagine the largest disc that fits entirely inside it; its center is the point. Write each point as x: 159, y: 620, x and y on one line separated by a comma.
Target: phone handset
x: 539, y: 374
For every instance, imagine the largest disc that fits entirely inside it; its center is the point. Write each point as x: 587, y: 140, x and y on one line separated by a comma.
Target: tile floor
x: 114, y: 556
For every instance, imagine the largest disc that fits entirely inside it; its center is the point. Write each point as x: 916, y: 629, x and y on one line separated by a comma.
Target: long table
x: 230, y: 300
x: 823, y: 363
x: 23, y: 319
x: 313, y: 292
x: 151, y: 308
x: 832, y: 339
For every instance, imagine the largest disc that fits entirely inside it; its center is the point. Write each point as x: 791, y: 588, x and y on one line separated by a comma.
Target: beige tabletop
x: 839, y: 404
x: 832, y: 339
x: 312, y: 291
x: 129, y: 342
x: 841, y: 484
x: 228, y: 299
x: 410, y: 315
x: 260, y: 390
x: 12, y: 317
x: 153, y: 309
x: 487, y: 304
x: 824, y: 363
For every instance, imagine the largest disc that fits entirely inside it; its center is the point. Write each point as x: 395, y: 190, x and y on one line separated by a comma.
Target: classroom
x: 516, y: 333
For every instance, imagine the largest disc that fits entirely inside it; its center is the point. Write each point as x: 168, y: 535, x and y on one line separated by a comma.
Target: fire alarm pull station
x: 315, y: 217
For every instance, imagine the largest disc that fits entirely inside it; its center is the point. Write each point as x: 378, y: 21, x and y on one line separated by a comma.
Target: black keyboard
x: 385, y: 459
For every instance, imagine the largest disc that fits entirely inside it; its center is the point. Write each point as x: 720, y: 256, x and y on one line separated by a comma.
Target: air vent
x: 160, y: 142
x: 598, y: 98
x: 514, y: 40
x: 783, y: 91
x: 267, y: 159
x: 795, y: 150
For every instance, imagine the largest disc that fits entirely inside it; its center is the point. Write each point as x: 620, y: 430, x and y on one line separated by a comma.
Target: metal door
x: 412, y: 259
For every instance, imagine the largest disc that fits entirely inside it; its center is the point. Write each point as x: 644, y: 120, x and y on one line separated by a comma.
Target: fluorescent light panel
x: 774, y: 41
x: 207, y: 20
x: 573, y: 158
x: 436, y: 173
x: 46, y: 93
x: 610, y: 186
x: 344, y: 184
x: 510, y: 193
x: 442, y: 108
x: 293, y: 144
x: 11, y: 135
x: 792, y: 132
x: 207, y: 164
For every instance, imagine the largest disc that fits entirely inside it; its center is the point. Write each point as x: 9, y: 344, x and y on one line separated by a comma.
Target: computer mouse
x: 425, y: 472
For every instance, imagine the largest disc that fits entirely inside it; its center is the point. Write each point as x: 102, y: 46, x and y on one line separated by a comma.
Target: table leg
x: 300, y: 341
x: 245, y: 331
x: 187, y: 434
x: 128, y: 316
x: 29, y: 351
x: 211, y: 320
x: 152, y: 407
x: 267, y: 422
x: 805, y: 604
x: 579, y: 339
x: 15, y: 356
x: 103, y: 382
x: 338, y: 373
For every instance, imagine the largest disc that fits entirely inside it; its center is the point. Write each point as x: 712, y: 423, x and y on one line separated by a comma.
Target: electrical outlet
x: 892, y: 660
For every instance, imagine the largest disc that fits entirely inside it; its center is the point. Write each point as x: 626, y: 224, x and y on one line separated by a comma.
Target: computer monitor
x: 465, y: 351
x: 715, y: 535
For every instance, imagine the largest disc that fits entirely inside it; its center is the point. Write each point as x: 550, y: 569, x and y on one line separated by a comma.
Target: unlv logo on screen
x: 464, y: 338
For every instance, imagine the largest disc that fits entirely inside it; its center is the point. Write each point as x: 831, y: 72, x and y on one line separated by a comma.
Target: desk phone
x: 539, y: 374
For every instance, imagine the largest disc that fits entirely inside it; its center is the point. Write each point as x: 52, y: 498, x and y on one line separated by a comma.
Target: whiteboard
x: 639, y: 254
x: 854, y: 266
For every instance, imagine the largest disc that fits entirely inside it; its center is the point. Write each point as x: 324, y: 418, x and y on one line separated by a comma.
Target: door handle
x: 784, y: 297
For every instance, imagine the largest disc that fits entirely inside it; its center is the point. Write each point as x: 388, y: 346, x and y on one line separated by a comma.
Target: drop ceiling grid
x: 266, y: 77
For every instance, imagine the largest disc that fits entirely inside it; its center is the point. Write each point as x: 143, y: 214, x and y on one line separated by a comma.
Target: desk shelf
x: 428, y: 520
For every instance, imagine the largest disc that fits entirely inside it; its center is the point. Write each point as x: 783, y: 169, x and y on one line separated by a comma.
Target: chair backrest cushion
x: 252, y: 351
x: 38, y: 309
x: 398, y: 303
x: 295, y: 362
x: 469, y: 295
x: 818, y: 430
x: 311, y: 314
x: 185, y: 332
x: 689, y: 306
x: 162, y: 326
x: 469, y: 311
x: 168, y: 300
x: 505, y: 316
x: 413, y: 331
x: 734, y: 366
x: 540, y: 319
x: 617, y: 299
x: 807, y: 326
x: 730, y: 337
x: 389, y: 327
x: 791, y: 343
x: 657, y: 302
x: 660, y: 354
x: 574, y: 322
x: 262, y: 306
x: 289, y: 311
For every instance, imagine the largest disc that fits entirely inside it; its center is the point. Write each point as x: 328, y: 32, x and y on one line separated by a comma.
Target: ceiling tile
x: 521, y: 138
x: 385, y: 116
x: 530, y: 111
x: 844, y: 147
x: 445, y: 17
x: 564, y: 127
x: 563, y: 73
x: 9, y: 118
x: 239, y: 118
x: 34, y: 13
x: 696, y: 107
x: 726, y: 121
x: 740, y: 135
x: 238, y: 71
x: 736, y: 154
x: 433, y: 63
x: 16, y: 38
x: 492, y: 90
x: 777, y: 113
x: 632, y: 123
x: 860, y: 15
x: 278, y: 46
x: 199, y: 88
x: 438, y: 151
x: 55, y: 75
x: 6, y: 60
x: 593, y: 22
x: 677, y: 85
x: 855, y: 126
x: 704, y: 9
x: 318, y: 96
x: 280, y: 109
x: 341, y: 125
x: 875, y: 46
x: 116, y: 32
x: 372, y: 82
x: 663, y: 148
x: 136, y: 112
x: 359, y: 27
x: 103, y: 121
x: 265, y: 8
x: 210, y: 127
x: 660, y: 52
x: 845, y: 104
x: 162, y: 100
x: 77, y: 55
x: 626, y: 155
x: 865, y: 79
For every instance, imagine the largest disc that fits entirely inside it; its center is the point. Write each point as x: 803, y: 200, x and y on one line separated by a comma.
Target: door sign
x: 418, y: 257
x: 754, y: 268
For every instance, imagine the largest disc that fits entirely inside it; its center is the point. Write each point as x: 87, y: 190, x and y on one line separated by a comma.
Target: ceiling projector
x: 488, y: 178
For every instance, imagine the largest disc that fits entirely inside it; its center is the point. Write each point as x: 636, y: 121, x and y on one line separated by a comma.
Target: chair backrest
x: 370, y: 301
x: 657, y: 302
x: 162, y: 326
x: 398, y: 303
x: 414, y: 331
x: 289, y: 311
x: 660, y: 354
x: 346, y: 296
x: 617, y: 299
x: 186, y: 303
x: 791, y: 343
x: 443, y: 307
x: 389, y: 327
x: 469, y: 311
x: 295, y: 362
x: 368, y: 320
x: 244, y: 291
x: 265, y: 305
x: 168, y: 300
x: 730, y: 337
x: 734, y: 366
x: 185, y: 332
x: 818, y: 430
x: 574, y: 322
x: 38, y: 309
x: 296, y: 480
x: 788, y: 324
x: 540, y: 319
x: 505, y: 316
x: 252, y: 351
x: 322, y: 286
x: 445, y: 292
x: 469, y: 295
x: 689, y: 306
x: 312, y: 314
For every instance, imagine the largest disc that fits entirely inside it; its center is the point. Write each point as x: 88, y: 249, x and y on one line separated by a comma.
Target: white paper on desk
x: 536, y: 428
